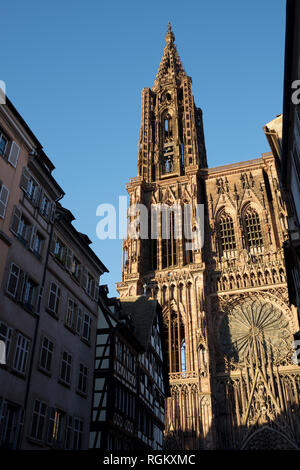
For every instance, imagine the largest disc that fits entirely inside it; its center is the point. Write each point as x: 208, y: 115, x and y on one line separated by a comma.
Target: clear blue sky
x: 75, y: 71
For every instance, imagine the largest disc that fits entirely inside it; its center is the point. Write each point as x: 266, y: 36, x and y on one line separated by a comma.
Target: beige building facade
x: 49, y: 281
x: 228, y: 323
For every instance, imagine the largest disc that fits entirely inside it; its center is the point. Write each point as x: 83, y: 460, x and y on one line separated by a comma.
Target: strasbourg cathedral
x: 228, y: 323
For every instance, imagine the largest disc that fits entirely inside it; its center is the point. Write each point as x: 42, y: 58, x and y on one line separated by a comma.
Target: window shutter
x: 84, y: 278
x: 13, y: 154
x: 21, y: 284
x: 24, y: 179
x: 4, y: 192
x: 64, y: 255
x: 79, y: 274
x: 3, y: 410
x: 53, y: 243
x: 15, y: 220
x: 42, y: 192
x: 69, y: 258
x: 52, y: 212
x: 37, y: 196
x: 38, y: 291
x: 32, y: 237
x: 96, y: 296
x: 92, y: 292
x: 79, y: 321
x: 47, y: 295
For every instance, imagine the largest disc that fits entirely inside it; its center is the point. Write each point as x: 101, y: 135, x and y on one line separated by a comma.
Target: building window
x: 11, y: 416
x: 86, y: 327
x: 183, y: 356
x: 71, y: 314
x: 4, y: 193
x: 78, y: 431
x: 3, y: 144
x: 168, y: 126
x: 65, y: 370
x: 56, y: 427
x: 38, y: 420
x: 175, y: 339
x: 253, y: 233
x: 23, y: 228
x: 13, y: 279
x: 45, y: 206
x: 69, y: 433
x: 32, y: 188
x: 38, y: 243
x: 30, y: 293
x: 46, y: 354
x: 226, y: 234
x: 5, y: 336
x: 21, y: 354
x: 90, y: 285
x: 75, y: 269
x: 168, y: 164
x: 168, y: 245
x: 59, y: 249
x: 54, y: 295
x: 82, y: 378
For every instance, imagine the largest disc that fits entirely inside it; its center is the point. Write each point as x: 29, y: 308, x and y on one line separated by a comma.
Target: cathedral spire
x: 170, y: 67
x: 170, y: 37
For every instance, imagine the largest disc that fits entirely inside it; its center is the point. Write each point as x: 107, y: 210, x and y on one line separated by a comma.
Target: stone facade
x: 228, y: 323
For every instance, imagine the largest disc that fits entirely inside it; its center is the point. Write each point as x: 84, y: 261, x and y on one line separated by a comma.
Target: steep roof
x: 142, y: 312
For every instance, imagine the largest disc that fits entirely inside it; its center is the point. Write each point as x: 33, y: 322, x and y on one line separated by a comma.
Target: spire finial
x: 170, y: 38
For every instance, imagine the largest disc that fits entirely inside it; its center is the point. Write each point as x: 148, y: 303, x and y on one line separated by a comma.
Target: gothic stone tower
x: 228, y: 324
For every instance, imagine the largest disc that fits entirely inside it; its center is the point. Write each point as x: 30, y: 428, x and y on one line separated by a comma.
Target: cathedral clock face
x: 252, y: 329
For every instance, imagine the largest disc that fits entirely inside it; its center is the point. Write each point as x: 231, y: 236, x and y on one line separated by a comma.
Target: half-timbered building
x: 130, y: 382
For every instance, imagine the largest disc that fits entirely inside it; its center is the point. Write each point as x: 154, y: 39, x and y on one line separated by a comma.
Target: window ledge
x: 52, y: 313
x: 63, y: 383
x: 86, y: 341
x: 70, y: 328
x: 82, y: 394
x: 34, y: 441
x: 21, y: 375
x: 44, y: 371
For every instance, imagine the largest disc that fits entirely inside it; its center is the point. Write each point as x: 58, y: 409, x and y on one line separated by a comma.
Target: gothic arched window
x: 168, y: 245
x: 253, y: 233
x: 183, y: 356
x: 227, y: 243
x: 175, y: 339
x: 168, y: 125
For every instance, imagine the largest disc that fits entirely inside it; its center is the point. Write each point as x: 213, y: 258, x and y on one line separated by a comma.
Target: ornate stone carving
x: 253, y: 326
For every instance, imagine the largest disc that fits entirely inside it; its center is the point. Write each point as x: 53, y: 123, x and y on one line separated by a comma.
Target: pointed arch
x: 226, y: 234
x: 253, y: 236
x: 174, y: 330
